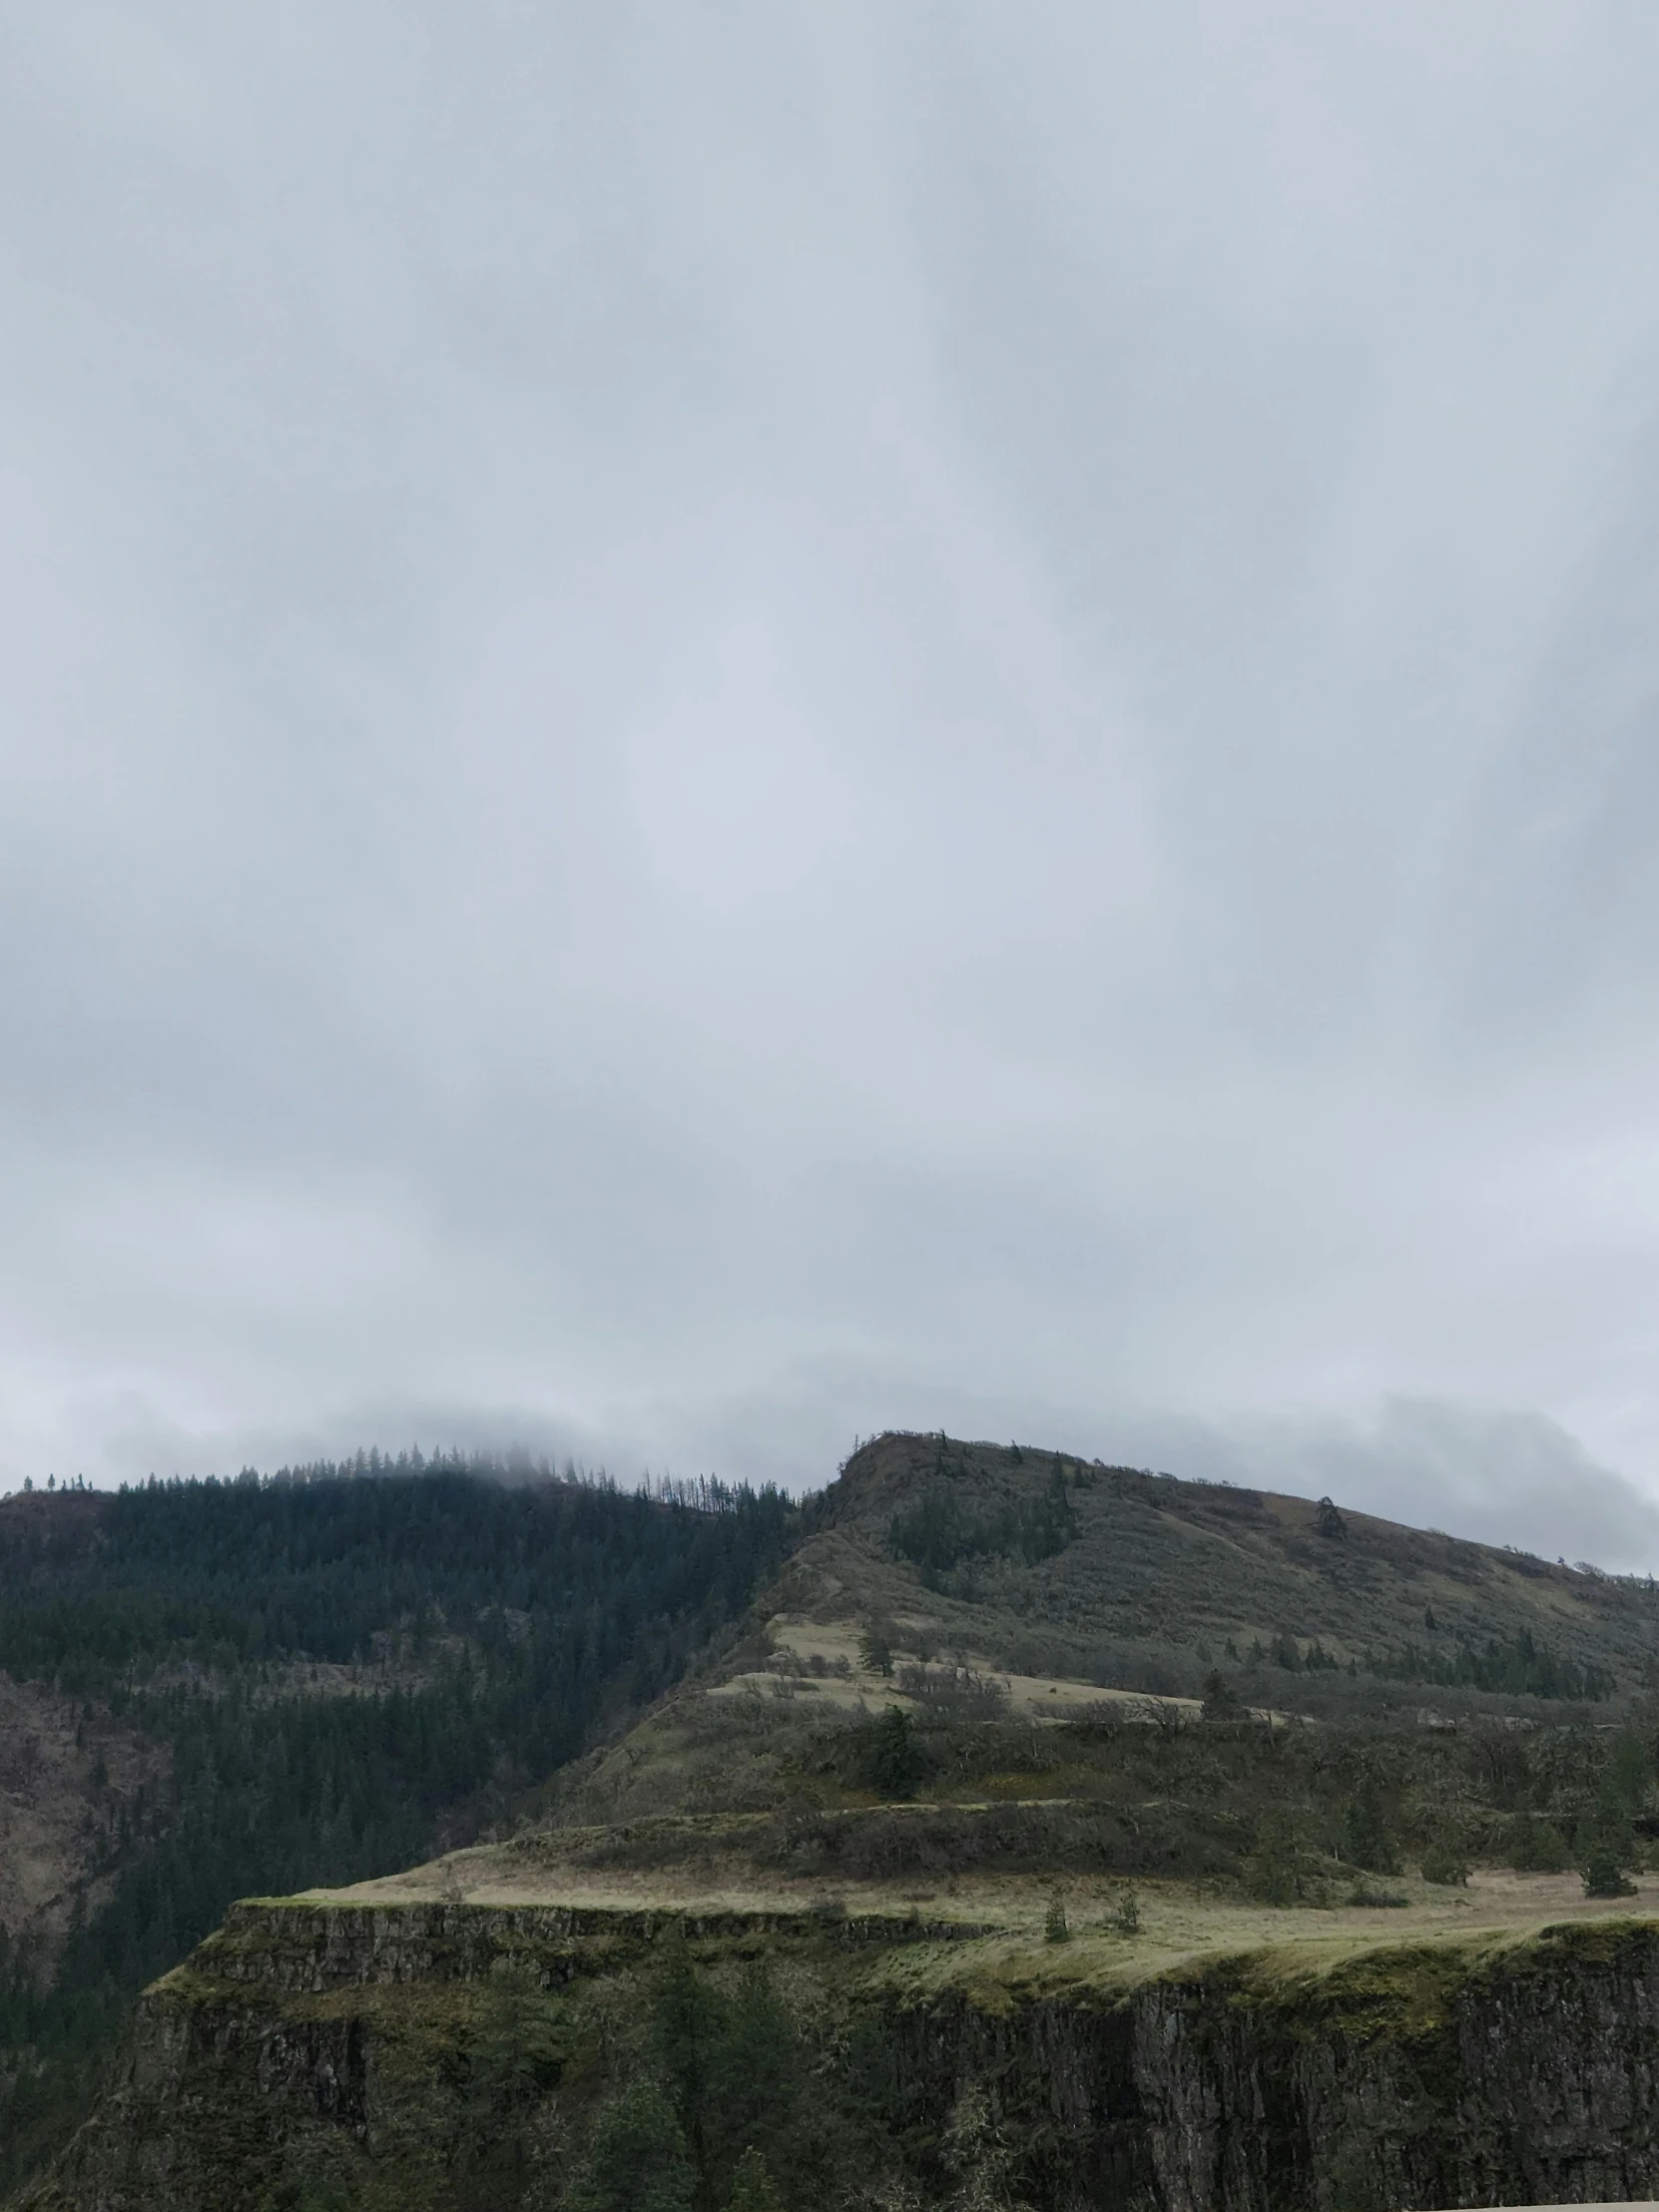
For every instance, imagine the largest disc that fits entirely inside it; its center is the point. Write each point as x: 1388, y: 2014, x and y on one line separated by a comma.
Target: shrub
x: 1124, y: 1915
x: 1604, y: 1875
x: 1055, y: 1929
x: 328, y: 2194
x: 1533, y: 1845
x: 1444, y: 1864
x: 954, y: 1693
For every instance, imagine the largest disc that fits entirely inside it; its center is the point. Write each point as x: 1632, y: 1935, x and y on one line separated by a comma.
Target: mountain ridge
x: 1181, y: 1569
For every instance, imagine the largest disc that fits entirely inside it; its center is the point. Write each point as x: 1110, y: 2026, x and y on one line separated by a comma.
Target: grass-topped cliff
x: 449, y: 2058
x: 981, y: 1734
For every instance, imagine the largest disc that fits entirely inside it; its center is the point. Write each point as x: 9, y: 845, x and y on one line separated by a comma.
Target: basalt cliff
x: 448, y: 2054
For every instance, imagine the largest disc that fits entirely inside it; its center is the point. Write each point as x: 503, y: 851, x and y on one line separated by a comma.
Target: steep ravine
x: 332, y: 2042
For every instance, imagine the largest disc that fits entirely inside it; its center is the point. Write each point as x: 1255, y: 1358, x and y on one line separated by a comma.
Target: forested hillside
x: 321, y: 1676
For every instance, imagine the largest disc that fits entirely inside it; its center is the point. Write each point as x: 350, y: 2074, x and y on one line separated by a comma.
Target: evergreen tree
x: 895, y: 1760
x: 1273, y: 1872
x: 688, y: 2022
x: 1606, y: 1844
x: 1366, y: 1840
x: 1220, y: 1703
x: 517, y: 2052
x: 752, y: 2069
x: 638, y: 2162
x: 753, y: 2188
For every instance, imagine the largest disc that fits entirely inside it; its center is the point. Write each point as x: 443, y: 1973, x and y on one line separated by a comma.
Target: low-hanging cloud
x: 725, y: 726
x: 1501, y: 1478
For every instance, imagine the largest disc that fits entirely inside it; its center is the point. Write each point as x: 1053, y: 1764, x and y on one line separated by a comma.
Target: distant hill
x: 1036, y: 1582
x: 1069, y: 1562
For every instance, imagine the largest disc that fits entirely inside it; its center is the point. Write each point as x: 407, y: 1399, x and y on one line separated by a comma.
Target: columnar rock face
x: 307, y: 2039
x: 1413, y: 2077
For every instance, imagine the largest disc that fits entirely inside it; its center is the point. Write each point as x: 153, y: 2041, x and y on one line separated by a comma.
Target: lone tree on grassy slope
x: 896, y: 1764
x: 1220, y: 1703
x: 1606, y: 1844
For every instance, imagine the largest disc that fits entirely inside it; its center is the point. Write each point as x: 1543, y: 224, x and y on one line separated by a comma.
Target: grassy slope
x: 1164, y: 1566
x: 1158, y: 1577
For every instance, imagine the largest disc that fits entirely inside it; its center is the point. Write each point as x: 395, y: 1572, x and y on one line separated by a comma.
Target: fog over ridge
x: 729, y: 726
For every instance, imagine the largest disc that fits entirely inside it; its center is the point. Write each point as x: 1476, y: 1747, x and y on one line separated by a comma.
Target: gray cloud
x: 723, y: 727
x: 1503, y: 1479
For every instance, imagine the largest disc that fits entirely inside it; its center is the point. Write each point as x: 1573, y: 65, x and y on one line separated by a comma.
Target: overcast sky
x: 730, y: 722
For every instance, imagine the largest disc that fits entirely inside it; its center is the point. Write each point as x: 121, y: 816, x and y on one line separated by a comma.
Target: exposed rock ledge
x: 1484, y: 2070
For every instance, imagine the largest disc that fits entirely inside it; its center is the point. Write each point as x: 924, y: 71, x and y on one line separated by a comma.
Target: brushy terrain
x: 1140, y: 1581
x: 1309, y: 1813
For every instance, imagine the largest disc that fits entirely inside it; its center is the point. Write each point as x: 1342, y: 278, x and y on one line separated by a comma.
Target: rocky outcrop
x: 300, y: 1946
x: 1474, y: 2071
x: 1425, y: 2076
